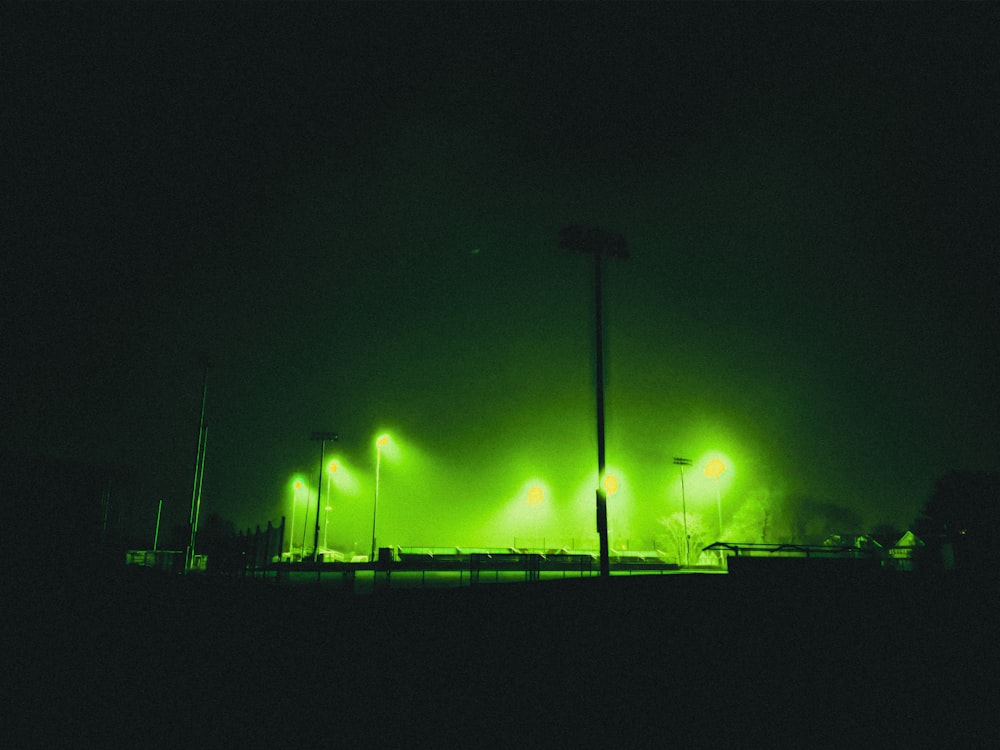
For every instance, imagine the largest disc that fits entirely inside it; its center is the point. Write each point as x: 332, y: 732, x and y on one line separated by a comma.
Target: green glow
x: 343, y: 478
x: 389, y: 448
x: 532, y: 484
x: 535, y: 495
x: 714, y: 468
x: 297, y: 512
x: 412, y: 493
x: 526, y: 519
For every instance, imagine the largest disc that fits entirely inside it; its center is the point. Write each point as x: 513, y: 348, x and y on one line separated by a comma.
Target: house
x: 902, y: 552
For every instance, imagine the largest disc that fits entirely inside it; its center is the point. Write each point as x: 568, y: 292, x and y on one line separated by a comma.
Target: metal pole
x: 319, y: 498
x: 106, y: 502
x: 291, y: 523
x: 156, y: 536
x: 378, y: 466
x: 197, y: 467
x: 197, y: 505
x: 598, y: 243
x: 602, y: 498
x: 681, y: 463
x: 281, y: 539
x: 329, y: 494
x: 718, y: 503
x: 684, y: 512
x: 305, y: 526
x: 322, y: 437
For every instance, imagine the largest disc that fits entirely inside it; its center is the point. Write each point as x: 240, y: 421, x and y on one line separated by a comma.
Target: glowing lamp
x: 535, y: 495
x: 714, y: 468
x: 610, y: 484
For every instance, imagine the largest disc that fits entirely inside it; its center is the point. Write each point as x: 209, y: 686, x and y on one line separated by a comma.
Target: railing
x: 451, y: 566
x: 260, y: 550
x: 168, y: 560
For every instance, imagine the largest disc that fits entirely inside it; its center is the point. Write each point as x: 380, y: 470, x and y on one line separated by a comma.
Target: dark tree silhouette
x: 964, y: 510
x: 810, y: 521
x: 217, y: 539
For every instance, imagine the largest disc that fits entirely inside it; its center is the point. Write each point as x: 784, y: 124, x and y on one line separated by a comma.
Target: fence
x: 260, y: 551
x: 450, y: 567
x: 168, y: 560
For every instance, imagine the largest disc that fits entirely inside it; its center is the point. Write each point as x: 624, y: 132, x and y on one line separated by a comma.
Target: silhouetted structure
x: 963, y: 512
x: 599, y: 243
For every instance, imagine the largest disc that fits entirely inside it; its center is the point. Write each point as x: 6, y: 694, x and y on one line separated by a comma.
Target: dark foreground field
x: 133, y: 659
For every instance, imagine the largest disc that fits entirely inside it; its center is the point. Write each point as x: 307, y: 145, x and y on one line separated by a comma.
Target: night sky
x: 354, y: 211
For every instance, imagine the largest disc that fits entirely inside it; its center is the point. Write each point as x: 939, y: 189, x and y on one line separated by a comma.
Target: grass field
x: 139, y: 659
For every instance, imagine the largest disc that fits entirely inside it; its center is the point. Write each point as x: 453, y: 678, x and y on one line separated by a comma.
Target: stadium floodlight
x: 598, y: 243
x: 323, y: 438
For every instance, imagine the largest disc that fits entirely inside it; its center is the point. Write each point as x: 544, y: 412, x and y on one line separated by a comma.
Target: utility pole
x: 682, y: 462
x: 156, y: 535
x: 323, y: 438
x: 199, y: 468
x: 599, y: 243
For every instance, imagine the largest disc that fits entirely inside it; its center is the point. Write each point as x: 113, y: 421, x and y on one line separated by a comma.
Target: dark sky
x: 354, y: 209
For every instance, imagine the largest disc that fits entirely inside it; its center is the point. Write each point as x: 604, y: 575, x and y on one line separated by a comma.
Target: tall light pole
x: 156, y: 535
x: 379, y: 443
x: 599, y: 243
x: 714, y: 468
x: 291, y: 526
x: 682, y: 462
x: 199, y: 469
x: 610, y: 485
x: 323, y: 438
x: 331, y: 469
x: 536, y: 495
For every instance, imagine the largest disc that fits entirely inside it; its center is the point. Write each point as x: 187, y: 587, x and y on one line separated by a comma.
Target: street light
x: 534, y: 499
x: 291, y: 526
x: 380, y: 442
x: 599, y: 243
x: 331, y: 469
x: 199, y: 470
x: 682, y: 462
x: 323, y: 438
x: 714, y: 468
x: 610, y: 486
x: 156, y: 535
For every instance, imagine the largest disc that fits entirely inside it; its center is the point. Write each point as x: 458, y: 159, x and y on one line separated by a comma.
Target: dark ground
x: 131, y: 658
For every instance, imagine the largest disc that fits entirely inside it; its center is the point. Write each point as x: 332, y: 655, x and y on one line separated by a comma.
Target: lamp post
x: 536, y: 495
x: 331, y: 468
x: 714, y: 468
x: 291, y: 526
x: 199, y: 469
x: 156, y: 535
x: 609, y: 485
x: 323, y: 438
x: 681, y: 463
x: 380, y: 442
x: 599, y: 243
